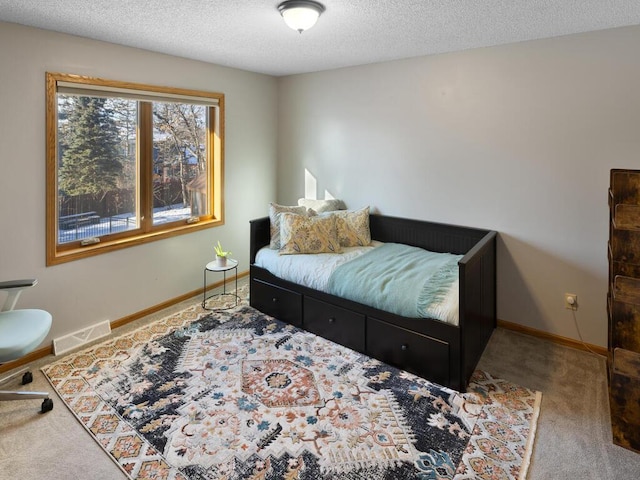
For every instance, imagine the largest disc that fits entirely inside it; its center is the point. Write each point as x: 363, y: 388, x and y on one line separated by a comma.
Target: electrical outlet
x: 571, y: 301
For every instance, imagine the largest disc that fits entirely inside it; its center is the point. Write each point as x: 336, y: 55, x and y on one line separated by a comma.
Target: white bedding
x: 313, y: 271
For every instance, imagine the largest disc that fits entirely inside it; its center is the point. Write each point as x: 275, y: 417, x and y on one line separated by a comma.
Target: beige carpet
x: 573, y: 433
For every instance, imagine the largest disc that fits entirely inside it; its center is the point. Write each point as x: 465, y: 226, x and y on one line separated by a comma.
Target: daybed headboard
x: 259, y: 236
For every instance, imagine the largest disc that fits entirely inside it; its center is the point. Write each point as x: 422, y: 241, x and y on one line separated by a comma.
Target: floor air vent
x: 76, y: 339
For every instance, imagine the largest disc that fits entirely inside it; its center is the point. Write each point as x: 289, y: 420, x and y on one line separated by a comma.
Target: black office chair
x: 21, y: 331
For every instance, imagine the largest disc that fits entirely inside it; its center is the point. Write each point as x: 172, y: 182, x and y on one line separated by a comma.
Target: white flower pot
x: 221, y: 261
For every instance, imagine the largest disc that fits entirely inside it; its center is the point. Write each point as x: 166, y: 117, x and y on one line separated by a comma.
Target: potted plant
x: 221, y: 255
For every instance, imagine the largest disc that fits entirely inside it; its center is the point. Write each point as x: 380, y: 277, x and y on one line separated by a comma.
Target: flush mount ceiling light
x: 300, y: 15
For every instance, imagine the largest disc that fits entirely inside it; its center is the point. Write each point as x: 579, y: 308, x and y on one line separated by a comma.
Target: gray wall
x: 113, y: 285
x: 517, y: 138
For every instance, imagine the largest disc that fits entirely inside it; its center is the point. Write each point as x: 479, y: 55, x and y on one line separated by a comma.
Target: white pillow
x: 321, y: 206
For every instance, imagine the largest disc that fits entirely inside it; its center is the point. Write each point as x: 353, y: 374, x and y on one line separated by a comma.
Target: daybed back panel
x: 436, y: 237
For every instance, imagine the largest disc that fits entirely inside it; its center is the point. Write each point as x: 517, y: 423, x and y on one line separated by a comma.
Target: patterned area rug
x: 236, y: 394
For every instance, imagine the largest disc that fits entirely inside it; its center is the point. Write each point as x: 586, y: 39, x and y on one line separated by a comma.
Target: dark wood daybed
x: 438, y: 351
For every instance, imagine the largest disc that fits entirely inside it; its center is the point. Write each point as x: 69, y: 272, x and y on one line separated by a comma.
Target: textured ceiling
x: 251, y: 35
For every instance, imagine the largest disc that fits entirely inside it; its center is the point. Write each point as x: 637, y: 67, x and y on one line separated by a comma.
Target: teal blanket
x: 396, y: 278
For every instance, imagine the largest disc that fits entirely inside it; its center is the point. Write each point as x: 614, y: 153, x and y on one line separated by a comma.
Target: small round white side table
x: 214, y: 267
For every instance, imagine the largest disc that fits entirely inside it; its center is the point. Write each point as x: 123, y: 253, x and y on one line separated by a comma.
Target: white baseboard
x: 76, y: 339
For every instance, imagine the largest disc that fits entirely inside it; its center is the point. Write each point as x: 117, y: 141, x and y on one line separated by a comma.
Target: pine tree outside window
x: 129, y: 163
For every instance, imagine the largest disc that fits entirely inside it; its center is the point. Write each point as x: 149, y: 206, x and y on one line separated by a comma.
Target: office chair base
x: 7, y: 395
x: 27, y: 378
x: 47, y: 403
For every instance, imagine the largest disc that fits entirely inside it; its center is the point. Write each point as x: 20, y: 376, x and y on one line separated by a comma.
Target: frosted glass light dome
x: 300, y: 15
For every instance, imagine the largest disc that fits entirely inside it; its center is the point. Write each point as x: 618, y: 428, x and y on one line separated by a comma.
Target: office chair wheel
x: 47, y: 405
x: 27, y: 378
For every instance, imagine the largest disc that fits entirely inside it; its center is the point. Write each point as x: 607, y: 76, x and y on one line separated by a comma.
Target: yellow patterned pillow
x: 274, y: 217
x: 353, y: 227
x: 301, y: 234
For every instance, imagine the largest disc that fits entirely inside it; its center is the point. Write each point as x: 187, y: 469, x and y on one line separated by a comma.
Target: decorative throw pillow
x: 321, y: 206
x: 274, y: 217
x: 353, y: 227
x: 302, y: 234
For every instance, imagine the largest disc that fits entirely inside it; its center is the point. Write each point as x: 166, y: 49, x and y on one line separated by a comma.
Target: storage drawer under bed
x: 278, y: 302
x: 337, y: 324
x: 411, y: 351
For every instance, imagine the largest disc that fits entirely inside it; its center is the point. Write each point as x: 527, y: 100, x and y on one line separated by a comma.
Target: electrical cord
x: 584, y: 344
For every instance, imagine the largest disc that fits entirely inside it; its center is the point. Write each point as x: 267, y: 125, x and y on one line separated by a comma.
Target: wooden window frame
x: 57, y: 253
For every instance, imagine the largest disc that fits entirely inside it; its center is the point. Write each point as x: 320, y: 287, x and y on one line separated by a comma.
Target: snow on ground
x: 122, y: 222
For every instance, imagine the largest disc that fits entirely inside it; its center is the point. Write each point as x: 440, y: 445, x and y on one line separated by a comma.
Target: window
x: 129, y: 163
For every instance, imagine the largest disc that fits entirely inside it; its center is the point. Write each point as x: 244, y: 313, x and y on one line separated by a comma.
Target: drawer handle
x: 274, y: 300
x: 332, y: 320
x: 404, y: 347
